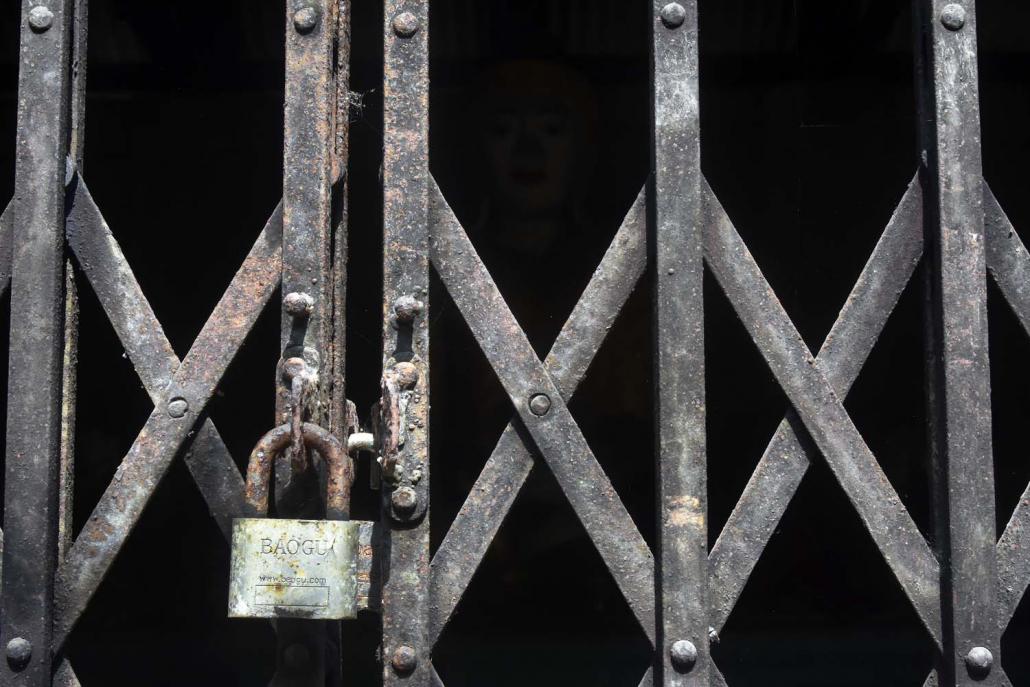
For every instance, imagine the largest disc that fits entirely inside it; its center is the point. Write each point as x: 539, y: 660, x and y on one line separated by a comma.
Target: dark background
x: 809, y: 139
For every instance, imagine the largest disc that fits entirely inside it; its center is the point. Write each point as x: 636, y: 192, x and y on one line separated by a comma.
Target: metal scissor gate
x: 947, y: 226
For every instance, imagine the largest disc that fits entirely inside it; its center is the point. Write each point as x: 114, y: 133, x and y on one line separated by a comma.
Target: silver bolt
x: 979, y: 661
x: 40, y: 19
x: 683, y: 655
x: 539, y: 404
x: 305, y: 19
x: 405, y: 24
x: 673, y: 15
x: 178, y: 406
x: 404, y: 659
x: 953, y: 16
x: 19, y: 652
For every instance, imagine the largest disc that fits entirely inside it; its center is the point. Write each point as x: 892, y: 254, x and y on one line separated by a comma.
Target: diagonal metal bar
x: 841, y: 358
x: 1009, y: 263
x: 554, y: 431
x: 6, y: 246
x: 101, y: 259
x: 163, y: 434
x: 800, y: 376
x: 501, y: 480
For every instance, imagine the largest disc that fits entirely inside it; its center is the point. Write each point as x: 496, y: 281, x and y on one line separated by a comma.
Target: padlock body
x: 293, y: 569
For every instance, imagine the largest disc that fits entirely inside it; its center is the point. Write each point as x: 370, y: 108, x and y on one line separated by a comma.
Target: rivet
x: 979, y: 661
x: 683, y: 655
x: 953, y: 16
x: 178, y: 406
x: 305, y: 19
x: 404, y: 500
x: 407, y: 308
x: 298, y: 304
x: 404, y: 659
x: 405, y: 24
x: 19, y: 651
x: 539, y: 404
x: 407, y: 375
x: 673, y: 15
x: 40, y: 19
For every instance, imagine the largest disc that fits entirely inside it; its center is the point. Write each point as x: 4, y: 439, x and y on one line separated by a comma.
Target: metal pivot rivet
x: 953, y: 16
x: 404, y: 500
x: 407, y: 375
x: 407, y: 308
x: 40, y: 18
x: 305, y: 19
x: 298, y: 304
x: 404, y: 659
x: 405, y: 24
x: 178, y: 406
x: 683, y: 655
x: 978, y: 661
x: 539, y: 404
x: 19, y: 651
x: 673, y: 15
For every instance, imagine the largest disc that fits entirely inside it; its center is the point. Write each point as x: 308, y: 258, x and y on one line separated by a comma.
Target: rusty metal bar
x: 406, y: 646
x: 959, y: 391
x: 338, y: 421
x: 142, y: 336
x: 31, y: 501
x: 544, y: 415
x: 681, y: 582
x: 166, y: 429
x: 509, y: 465
x: 843, y: 353
x: 821, y: 412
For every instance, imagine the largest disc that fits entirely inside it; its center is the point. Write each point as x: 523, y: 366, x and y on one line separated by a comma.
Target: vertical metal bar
x: 36, y: 347
x: 960, y: 394
x: 676, y: 236
x: 406, y: 649
x: 339, y: 419
x: 307, y: 170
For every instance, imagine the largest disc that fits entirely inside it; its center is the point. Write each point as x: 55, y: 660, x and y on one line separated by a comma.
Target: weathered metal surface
x: 509, y: 465
x: 143, y: 467
x: 555, y: 433
x: 843, y: 353
x: 959, y: 394
x: 31, y: 499
x: 821, y: 412
x: 406, y: 274
x: 679, y: 360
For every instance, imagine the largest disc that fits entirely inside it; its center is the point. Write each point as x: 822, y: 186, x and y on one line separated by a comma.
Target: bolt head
x: 404, y: 659
x: 178, y: 406
x: 953, y: 16
x: 40, y: 18
x: 297, y: 304
x: 407, y: 308
x: 673, y: 15
x: 407, y: 375
x: 305, y: 19
x: 405, y: 24
x: 539, y: 404
x: 19, y: 652
x: 683, y: 655
x: 404, y: 500
x: 979, y: 661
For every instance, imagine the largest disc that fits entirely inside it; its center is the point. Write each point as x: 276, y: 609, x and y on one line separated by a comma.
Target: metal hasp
x: 404, y: 409
x: 958, y: 371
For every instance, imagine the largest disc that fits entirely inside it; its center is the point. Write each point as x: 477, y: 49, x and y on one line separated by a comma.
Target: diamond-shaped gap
x: 542, y: 609
x: 469, y: 409
x: 802, y: 129
x: 822, y: 607
x: 1010, y: 403
x: 112, y: 404
x: 887, y: 403
x: 183, y: 145
x: 744, y: 406
x: 164, y: 599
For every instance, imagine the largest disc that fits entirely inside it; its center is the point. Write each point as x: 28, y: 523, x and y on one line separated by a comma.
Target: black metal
x: 31, y: 498
x: 406, y: 275
x: 679, y: 363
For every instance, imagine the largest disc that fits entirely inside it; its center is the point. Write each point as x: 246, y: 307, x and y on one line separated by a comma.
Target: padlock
x: 296, y: 568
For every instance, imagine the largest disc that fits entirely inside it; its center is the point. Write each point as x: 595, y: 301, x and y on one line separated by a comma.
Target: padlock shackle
x: 340, y: 469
